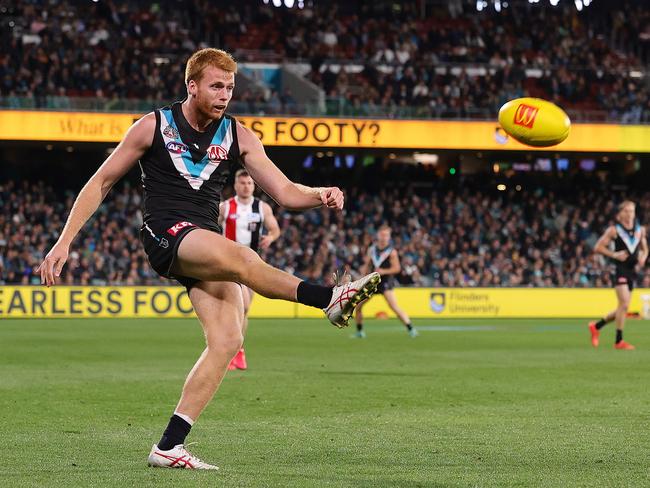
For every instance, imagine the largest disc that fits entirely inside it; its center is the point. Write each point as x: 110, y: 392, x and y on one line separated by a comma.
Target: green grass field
x: 468, y: 403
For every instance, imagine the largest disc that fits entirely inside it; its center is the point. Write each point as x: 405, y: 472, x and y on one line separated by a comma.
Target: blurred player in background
x: 629, y: 255
x: 242, y: 218
x: 186, y: 152
x: 383, y: 258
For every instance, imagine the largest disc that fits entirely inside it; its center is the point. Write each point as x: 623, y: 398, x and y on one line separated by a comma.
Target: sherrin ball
x: 535, y: 122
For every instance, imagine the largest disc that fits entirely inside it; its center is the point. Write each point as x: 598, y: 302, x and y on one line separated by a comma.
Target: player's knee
x: 245, y: 261
x: 624, y: 305
x: 226, y: 344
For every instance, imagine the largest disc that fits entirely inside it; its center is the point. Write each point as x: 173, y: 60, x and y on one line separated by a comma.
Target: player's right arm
x: 135, y: 143
x: 602, y: 245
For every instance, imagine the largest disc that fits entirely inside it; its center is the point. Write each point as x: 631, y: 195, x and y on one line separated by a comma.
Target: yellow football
x: 534, y: 121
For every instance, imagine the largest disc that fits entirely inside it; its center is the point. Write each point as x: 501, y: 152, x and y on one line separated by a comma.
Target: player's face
x: 627, y: 214
x: 244, y: 186
x: 383, y: 237
x: 213, y: 91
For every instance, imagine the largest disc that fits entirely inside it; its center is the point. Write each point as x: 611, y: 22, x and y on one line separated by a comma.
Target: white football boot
x: 345, y: 297
x: 176, y: 457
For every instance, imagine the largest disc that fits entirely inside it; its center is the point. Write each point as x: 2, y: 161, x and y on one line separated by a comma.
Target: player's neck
x: 193, y: 116
x: 244, y: 200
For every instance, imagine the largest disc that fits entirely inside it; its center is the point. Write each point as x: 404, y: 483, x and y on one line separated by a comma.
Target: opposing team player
x: 243, y: 217
x: 186, y: 152
x: 383, y: 258
x: 629, y: 254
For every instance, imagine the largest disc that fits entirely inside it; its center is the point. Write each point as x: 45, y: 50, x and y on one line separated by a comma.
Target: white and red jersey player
x: 243, y: 217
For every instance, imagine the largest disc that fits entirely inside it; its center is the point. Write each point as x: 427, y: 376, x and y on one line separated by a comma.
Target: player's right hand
x: 621, y: 255
x: 53, y: 264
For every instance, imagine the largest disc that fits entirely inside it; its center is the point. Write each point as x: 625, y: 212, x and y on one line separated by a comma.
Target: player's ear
x: 191, y: 88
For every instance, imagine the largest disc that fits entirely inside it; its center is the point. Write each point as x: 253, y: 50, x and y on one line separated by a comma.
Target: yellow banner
x: 330, y: 132
x: 173, y: 302
x: 498, y: 303
x: 107, y: 301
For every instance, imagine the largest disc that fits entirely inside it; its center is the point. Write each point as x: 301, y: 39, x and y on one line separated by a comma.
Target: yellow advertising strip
x: 496, y: 303
x: 330, y: 132
x: 172, y: 302
x: 106, y: 301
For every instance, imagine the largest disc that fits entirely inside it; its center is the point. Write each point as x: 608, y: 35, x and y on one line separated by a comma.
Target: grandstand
x: 395, y: 103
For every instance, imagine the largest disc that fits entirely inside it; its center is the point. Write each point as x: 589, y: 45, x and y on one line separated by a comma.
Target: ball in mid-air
x: 534, y: 121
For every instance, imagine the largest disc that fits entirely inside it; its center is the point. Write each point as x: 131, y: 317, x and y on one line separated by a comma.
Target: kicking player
x: 242, y: 218
x: 629, y: 254
x: 384, y: 260
x: 186, y: 152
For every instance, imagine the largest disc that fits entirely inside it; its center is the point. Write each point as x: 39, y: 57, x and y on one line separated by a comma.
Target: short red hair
x: 208, y: 57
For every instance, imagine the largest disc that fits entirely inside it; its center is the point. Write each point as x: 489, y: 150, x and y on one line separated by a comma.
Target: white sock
x: 186, y: 418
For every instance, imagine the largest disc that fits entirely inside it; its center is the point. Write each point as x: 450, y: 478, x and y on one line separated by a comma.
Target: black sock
x: 619, y: 335
x: 313, y: 295
x: 359, y: 326
x: 174, y: 434
x: 600, y: 324
x: 409, y: 326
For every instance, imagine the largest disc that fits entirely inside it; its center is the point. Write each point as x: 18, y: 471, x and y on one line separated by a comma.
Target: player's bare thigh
x: 208, y: 256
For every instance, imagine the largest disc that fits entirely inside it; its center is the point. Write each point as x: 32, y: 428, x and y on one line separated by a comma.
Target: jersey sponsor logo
x: 170, y: 132
x: 525, y: 115
x: 216, y: 153
x: 176, y: 147
x: 232, y: 216
x: 178, y: 226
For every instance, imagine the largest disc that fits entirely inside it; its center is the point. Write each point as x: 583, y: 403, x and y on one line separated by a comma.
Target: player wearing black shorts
x: 186, y: 152
x: 382, y: 257
x: 629, y: 254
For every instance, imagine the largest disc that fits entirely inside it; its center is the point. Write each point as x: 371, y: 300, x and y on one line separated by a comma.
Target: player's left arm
x: 274, y: 182
x: 643, y: 252
x: 395, y: 265
x: 271, y: 225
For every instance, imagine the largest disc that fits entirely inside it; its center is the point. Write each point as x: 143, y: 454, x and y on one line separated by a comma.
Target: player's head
x: 244, y: 184
x: 210, y: 81
x: 383, y: 235
x: 626, y: 212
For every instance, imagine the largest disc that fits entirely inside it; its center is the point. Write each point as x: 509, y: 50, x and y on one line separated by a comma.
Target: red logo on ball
x: 525, y: 115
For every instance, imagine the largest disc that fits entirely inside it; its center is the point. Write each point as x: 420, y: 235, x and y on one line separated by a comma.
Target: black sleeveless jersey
x: 184, y: 171
x: 380, y: 257
x: 627, y: 240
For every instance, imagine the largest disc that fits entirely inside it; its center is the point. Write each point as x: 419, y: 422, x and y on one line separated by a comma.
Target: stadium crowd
x: 120, y: 50
x: 448, y: 237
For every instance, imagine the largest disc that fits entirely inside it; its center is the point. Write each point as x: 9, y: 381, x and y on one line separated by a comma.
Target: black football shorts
x: 161, y: 238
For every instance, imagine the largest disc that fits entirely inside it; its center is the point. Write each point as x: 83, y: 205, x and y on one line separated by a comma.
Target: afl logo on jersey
x: 216, y: 153
x: 176, y: 147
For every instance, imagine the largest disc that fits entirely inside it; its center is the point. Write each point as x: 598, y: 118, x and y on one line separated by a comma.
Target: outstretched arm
x: 274, y: 182
x: 136, y: 141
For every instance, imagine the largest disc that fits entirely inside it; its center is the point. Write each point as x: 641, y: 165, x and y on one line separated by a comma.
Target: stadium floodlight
x: 578, y: 5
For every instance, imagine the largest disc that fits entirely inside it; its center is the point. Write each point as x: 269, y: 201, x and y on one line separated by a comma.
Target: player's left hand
x: 265, y: 241
x: 642, y: 262
x: 332, y: 197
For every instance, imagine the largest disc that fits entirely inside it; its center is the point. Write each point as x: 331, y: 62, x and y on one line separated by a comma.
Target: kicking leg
x: 208, y: 256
